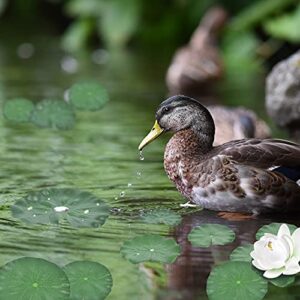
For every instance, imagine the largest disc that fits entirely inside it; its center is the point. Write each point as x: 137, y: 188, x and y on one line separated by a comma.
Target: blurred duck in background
x: 197, y: 64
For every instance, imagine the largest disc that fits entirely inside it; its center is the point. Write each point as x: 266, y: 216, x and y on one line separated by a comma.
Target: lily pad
x: 53, y: 114
x: 235, y: 280
x: 283, y: 281
x: 88, y: 96
x: 18, y: 110
x: 33, y: 278
x: 273, y: 229
x: 242, y: 253
x: 88, y: 280
x: 162, y: 216
x: 78, y: 208
x: 211, y: 234
x: 150, y: 248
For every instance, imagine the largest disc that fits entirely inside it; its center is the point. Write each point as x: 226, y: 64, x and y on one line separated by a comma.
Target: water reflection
x: 188, y: 275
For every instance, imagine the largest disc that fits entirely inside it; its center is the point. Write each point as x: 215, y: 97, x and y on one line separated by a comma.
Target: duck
x: 198, y: 64
x: 233, y: 123
x: 253, y: 175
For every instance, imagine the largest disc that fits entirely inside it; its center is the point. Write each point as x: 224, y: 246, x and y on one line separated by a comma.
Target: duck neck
x: 190, y: 143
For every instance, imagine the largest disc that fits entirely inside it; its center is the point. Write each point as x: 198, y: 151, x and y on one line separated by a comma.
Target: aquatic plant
x: 18, y: 110
x: 210, y: 235
x: 150, y: 247
x: 78, y: 208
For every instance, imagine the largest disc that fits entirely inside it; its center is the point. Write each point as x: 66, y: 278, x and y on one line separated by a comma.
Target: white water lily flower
x: 278, y: 254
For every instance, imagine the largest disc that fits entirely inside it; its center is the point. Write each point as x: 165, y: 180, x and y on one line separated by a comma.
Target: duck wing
x: 266, y: 154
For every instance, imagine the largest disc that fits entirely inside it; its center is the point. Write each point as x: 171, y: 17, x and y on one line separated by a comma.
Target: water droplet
x: 129, y: 184
x: 141, y: 155
x: 151, y: 249
x: 61, y: 208
x: 86, y: 211
x: 85, y: 278
x: 122, y: 194
x: 137, y: 253
x: 35, y: 284
x: 97, y: 204
x: 138, y: 174
x: 34, y: 215
x: 116, y: 198
x: 49, y: 199
x: 29, y: 208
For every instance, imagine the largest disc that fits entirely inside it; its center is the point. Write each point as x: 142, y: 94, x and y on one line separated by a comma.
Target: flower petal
x: 283, y: 230
x: 257, y: 265
x: 292, y: 267
x: 273, y: 273
x: 296, y: 241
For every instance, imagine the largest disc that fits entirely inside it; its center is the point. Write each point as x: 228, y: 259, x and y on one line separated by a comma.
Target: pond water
x: 99, y: 155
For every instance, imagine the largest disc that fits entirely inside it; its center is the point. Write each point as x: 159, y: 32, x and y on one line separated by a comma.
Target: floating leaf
x: 150, y: 248
x: 88, y: 280
x: 283, y: 281
x: 53, y: 114
x: 162, y: 216
x: 273, y: 229
x: 33, y: 278
x: 18, y: 110
x: 88, y: 96
x: 211, y: 234
x: 80, y: 209
x: 235, y: 280
x: 242, y: 253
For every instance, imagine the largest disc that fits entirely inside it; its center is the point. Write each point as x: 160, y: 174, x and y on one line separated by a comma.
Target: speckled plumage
x: 236, y: 176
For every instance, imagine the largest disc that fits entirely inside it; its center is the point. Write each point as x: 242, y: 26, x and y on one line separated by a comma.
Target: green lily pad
x: 88, y: 96
x: 283, y: 281
x: 34, y: 279
x: 18, y: 110
x: 53, y: 114
x: 235, y: 280
x: 242, y: 253
x: 79, y: 209
x: 211, y: 234
x: 273, y: 229
x: 162, y: 216
x: 88, y: 280
x: 150, y: 248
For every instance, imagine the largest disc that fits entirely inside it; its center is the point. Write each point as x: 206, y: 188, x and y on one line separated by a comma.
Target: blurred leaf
x: 119, y: 21
x: 18, y: 110
x: 211, y: 234
x: 77, y: 34
x: 79, y: 209
x: 53, y: 114
x: 86, y: 8
x: 257, y: 12
x: 2, y: 6
x: 286, y: 27
x: 88, y: 95
x: 283, y: 281
x: 162, y: 216
x: 33, y: 278
x: 150, y: 247
x: 242, y: 253
x: 88, y: 280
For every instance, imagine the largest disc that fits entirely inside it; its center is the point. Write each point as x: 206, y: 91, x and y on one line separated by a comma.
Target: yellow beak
x: 155, y: 132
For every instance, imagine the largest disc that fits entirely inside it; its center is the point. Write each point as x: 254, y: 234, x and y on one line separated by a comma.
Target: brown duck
x: 248, y: 175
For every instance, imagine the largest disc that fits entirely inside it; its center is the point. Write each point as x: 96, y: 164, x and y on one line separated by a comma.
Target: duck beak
x: 155, y: 132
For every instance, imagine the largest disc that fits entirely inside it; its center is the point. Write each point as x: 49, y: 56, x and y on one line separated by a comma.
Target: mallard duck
x: 233, y: 123
x: 249, y: 175
x: 198, y: 63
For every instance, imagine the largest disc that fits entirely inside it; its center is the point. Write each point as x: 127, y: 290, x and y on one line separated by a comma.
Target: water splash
x: 122, y: 194
x: 61, y: 208
x: 138, y: 174
x: 129, y: 184
x: 141, y: 155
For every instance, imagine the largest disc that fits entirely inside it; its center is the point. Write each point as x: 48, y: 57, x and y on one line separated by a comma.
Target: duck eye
x: 166, y: 109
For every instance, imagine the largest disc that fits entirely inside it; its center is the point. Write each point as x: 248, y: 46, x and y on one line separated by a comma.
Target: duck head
x: 178, y: 113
